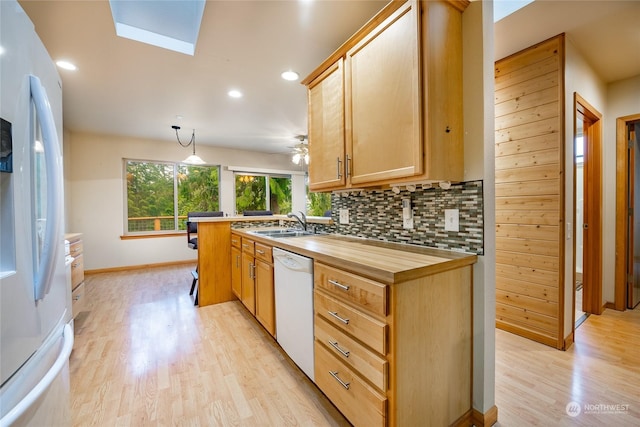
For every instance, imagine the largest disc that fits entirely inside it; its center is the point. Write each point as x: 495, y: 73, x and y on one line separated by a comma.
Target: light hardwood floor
x: 145, y: 356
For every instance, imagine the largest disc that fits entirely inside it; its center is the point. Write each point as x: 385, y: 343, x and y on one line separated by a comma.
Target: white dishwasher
x: 293, y: 276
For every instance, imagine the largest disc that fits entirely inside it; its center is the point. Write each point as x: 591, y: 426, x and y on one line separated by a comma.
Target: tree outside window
x: 257, y: 192
x: 160, y: 194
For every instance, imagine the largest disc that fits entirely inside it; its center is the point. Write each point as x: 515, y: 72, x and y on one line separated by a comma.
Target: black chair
x: 192, y: 242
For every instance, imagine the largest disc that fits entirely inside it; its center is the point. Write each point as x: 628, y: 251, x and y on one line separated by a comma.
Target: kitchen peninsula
x: 393, y: 327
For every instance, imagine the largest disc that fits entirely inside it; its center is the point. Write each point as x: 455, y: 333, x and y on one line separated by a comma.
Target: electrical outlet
x: 344, y: 216
x: 452, y: 220
x: 407, y: 223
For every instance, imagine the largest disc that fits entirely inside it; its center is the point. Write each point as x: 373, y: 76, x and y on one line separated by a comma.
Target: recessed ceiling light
x: 290, y: 75
x: 66, y: 65
x: 234, y: 93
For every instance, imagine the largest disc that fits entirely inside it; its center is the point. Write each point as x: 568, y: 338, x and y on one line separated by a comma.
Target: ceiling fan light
x: 296, y: 158
x: 306, y: 158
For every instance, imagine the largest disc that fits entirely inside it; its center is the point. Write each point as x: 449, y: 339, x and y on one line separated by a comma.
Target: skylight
x: 169, y: 24
x: 504, y: 8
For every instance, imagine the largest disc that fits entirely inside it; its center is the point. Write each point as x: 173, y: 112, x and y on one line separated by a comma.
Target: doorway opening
x: 627, y: 286
x: 587, y: 295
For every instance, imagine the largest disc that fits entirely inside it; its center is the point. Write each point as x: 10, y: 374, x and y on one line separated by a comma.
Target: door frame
x: 622, y: 209
x: 592, y: 258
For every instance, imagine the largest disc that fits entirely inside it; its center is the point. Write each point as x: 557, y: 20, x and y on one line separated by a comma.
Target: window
x: 256, y: 192
x: 317, y: 203
x: 160, y: 194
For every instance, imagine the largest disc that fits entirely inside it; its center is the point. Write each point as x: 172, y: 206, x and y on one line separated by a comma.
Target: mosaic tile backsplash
x: 377, y: 214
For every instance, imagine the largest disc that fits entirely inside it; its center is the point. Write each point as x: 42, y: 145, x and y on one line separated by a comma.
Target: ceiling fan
x: 300, y: 151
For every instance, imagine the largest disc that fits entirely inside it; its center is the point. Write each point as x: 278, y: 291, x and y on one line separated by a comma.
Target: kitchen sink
x: 287, y: 232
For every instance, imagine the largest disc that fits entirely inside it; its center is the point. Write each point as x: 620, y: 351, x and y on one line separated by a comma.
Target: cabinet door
x: 248, y: 283
x: 326, y: 129
x: 236, y: 272
x: 383, y: 101
x: 265, y: 298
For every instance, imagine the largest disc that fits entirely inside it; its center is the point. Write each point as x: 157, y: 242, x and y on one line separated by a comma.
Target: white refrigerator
x: 36, y: 334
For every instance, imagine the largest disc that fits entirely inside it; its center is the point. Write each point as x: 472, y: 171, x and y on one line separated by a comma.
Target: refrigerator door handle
x: 46, y: 267
x: 35, y: 393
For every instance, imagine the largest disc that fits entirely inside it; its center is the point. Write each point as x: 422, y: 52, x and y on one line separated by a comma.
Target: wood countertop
x: 382, y: 261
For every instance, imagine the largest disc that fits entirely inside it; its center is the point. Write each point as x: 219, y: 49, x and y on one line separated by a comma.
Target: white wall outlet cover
x: 452, y: 220
x: 407, y: 223
x: 344, y: 216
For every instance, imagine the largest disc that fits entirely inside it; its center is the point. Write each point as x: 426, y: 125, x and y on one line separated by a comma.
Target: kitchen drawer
x: 367, y: 363
x: 264, y: 253
x: 235, y: 241
x: 78, y: 300
x: 359, y: 325
x: 248, y: 246
x: 366, y: 293
x: 77, y: 271
x: 357, y: 400
x: 75, y: 248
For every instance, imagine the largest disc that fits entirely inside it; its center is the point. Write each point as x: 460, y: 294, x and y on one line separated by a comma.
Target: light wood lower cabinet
x: 78, y: 295
x: 265, y: 293
x: 252, y: 272
x: 236, y: 267
x: 395, y: 354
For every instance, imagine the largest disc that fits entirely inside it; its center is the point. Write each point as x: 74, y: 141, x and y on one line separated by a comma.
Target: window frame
x: 176, y: 218
x: 268, y: 176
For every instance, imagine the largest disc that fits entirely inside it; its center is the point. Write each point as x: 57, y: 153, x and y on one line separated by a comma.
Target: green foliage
x: 318, y: 203
x: 280, y: 189
x: 149, y: 189
x: 150, y: 193
x: 251, y: 193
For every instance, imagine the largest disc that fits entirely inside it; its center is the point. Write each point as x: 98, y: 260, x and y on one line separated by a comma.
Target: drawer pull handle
x: 77, y: 297
x: 335, y: 345
x: 334, y: 374
x: 260, y: 252
x: 340, y: 285
x: 245, y: 245
x: 342, y: 319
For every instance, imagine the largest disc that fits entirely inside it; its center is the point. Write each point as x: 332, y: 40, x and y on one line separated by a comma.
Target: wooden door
x: 248, y: 282
x: 383, y: 101
x: 326, y: 129
x: 592, y: 223
x: 236, y: 272
x: 265, y: 297
x: 633, y: 239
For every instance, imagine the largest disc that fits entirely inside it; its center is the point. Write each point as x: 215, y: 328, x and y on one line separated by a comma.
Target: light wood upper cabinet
x: 402, y: 93
x: 326, y: 129
x: 383, y: 101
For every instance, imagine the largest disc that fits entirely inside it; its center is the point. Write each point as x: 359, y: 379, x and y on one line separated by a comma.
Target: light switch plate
x: 452, y: 220
x: 344, y: 216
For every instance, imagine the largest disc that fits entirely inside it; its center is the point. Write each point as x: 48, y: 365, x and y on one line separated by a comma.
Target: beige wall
x: 612, y: 101
x: 623, y: 99
x: 479, y: 164
x: 580, y: 78
x: 95, y: 194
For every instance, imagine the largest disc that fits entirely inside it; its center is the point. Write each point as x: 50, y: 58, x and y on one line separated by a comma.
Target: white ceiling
x: 123, y: 87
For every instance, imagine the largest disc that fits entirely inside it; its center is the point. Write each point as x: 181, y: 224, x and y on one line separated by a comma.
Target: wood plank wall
x: 529, y: 138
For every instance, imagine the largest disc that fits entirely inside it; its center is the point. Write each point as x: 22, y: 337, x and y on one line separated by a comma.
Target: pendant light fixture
x: 193, y: 159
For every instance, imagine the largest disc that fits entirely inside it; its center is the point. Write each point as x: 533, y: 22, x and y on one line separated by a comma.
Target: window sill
x: 151, y: 235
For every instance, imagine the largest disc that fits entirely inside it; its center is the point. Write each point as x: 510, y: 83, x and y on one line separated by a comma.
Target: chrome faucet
x: 302, y: 219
